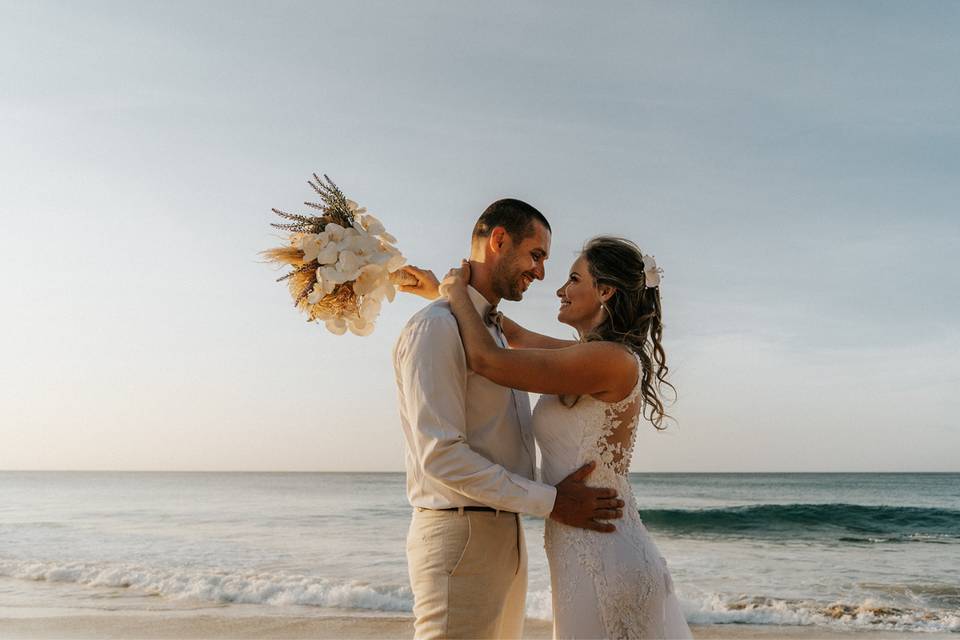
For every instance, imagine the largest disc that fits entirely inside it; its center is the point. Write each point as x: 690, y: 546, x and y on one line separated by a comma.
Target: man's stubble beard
x: 506, y: 281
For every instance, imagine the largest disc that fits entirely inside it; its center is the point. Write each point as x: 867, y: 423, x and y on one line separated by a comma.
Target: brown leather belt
x: 490, y: 509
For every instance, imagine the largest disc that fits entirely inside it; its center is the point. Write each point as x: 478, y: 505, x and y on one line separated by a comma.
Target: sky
x: 793, y: 166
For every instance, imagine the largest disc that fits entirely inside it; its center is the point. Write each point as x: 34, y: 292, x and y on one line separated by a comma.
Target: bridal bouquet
x: 343, y: 262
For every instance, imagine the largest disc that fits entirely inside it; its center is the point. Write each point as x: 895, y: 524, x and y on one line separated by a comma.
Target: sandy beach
x: 189, y: 627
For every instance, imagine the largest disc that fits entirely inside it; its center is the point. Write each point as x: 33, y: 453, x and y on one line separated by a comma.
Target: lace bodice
x: 590, y: 429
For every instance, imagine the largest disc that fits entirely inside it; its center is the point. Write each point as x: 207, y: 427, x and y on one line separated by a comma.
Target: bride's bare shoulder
x: 623, y: 367
x: 613, y: 353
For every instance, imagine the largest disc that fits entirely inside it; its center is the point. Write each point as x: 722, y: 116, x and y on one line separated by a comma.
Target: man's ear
x: 498, y: 238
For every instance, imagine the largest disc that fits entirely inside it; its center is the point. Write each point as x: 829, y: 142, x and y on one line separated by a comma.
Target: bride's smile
x: 579, y: 298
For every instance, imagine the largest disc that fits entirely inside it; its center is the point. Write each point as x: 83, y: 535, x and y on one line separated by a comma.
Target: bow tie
x: 494, y: 317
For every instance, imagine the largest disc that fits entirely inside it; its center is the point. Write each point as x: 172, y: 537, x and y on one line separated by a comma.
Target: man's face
x: 521, y: 263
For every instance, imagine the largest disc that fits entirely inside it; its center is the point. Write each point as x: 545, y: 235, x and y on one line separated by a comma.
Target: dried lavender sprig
x: 300, y: 227
x: 303, y: 295
x: 325, y: 193
x: 328, y: 188
x: 332, y: 196
x: 294, y: 216
x: 305, y: 267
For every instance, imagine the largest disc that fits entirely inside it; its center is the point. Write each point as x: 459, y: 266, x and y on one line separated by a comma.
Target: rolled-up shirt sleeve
x: 432, y: 374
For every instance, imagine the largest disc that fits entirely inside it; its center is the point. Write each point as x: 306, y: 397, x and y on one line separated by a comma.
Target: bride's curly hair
x: 633, y: 316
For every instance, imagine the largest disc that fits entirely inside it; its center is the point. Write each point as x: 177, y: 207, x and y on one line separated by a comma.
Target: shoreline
x: 162, y: 626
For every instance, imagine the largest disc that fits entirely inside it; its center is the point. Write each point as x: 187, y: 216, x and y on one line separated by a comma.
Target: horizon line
x: 235, y: 471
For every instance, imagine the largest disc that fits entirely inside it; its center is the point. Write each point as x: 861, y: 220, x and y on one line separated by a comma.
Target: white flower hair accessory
x: 651, y: 273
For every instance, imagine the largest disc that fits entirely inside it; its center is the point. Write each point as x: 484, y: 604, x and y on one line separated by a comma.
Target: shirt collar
x: 479, y: 302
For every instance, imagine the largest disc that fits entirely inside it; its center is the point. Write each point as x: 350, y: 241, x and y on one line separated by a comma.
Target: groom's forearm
x: 461, y: 469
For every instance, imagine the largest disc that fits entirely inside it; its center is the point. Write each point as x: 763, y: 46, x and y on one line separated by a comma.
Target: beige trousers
x: 468, y: 572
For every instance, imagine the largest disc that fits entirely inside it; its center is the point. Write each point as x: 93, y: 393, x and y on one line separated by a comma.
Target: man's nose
x: 539, y: 270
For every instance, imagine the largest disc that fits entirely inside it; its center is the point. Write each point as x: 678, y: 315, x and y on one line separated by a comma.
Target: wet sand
x: 193, y: 627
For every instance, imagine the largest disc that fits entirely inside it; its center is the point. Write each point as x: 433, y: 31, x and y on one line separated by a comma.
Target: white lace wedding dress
x: 605, y: 585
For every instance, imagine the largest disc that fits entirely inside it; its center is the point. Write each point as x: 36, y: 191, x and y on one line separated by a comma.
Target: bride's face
x: 579, y: 299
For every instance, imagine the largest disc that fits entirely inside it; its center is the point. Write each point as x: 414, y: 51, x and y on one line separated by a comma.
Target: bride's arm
x: 423, y: 283
x: 582, y: 369
x: 521, y: 338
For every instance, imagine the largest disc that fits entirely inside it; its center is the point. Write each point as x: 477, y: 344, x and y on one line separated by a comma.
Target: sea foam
x: 284, y: 589
x: 714, y: 609
x: 220, y: 586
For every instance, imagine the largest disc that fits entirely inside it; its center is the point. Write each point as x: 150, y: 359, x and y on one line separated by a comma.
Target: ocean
x: 843, y: 551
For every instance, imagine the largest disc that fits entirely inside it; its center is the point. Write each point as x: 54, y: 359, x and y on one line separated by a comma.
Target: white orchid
x: 360, y: 327
x: 365, y: 246
x: 317, y: 293
x: 322, y: 284
x: 336, y: 326
x: 370, y: 279
x: 651, y: 272
x: 396, y: 260
x: 333, y: 232
x: 389, y: 290
x: 355, y: 208
x: 371, y: 225
x: 330, y: 277
x: 310, y: 244
x: 370, y: 309
x: 349, y: 264
x: 329, y: 254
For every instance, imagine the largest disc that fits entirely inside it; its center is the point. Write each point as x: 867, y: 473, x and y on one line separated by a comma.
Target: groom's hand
x: 581, y: 506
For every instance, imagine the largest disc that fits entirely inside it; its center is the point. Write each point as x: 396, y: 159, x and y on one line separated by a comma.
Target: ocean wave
x: 282, y: 589
x: 715, y: 609
x: 220, y: 586
x: 846, y: 522
x: 939, y: 538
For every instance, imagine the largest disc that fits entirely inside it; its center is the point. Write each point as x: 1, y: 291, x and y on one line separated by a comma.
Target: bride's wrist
x: 457, y: 292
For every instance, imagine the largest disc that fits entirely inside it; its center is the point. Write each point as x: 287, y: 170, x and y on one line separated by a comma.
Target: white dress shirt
x: 469, y: 441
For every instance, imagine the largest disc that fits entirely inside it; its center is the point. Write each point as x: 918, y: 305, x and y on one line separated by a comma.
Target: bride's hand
x: 456, y: 280
x: 420, y: 282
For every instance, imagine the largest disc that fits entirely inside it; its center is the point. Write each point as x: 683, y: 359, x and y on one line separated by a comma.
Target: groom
x: 469, y: 448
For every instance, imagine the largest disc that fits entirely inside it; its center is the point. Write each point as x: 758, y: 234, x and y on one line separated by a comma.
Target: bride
x: 595, y: 392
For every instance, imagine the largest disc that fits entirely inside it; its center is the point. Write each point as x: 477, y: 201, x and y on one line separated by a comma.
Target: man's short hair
x: 516, y: 216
